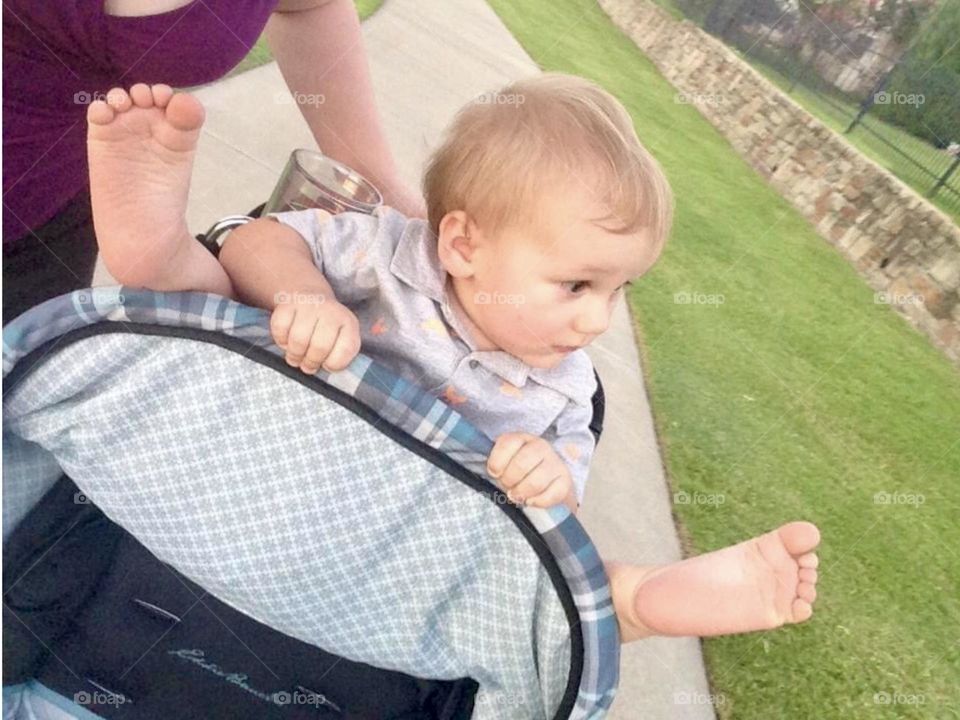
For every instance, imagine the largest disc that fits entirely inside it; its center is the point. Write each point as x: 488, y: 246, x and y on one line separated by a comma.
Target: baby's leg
x: 759, y: 584
x: 140, y: 148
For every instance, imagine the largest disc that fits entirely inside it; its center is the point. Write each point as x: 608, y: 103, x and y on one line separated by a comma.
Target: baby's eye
x: 575, y: 286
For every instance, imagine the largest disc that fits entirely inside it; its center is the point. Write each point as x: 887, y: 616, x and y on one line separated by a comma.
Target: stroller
x: 194, y: 529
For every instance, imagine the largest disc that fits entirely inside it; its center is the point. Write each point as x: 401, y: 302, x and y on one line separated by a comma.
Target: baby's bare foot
x: 759, y: 584
x: 140, y: 147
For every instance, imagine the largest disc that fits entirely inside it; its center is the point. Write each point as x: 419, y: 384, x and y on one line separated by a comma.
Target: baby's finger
x: 280, y: 322
x: 299, y: 338
x: 345, y: 347
x: 505, y: 448
x: 318, y: 349
x: 554, y: 494
x: 531, y: 486
x: 522, y: 464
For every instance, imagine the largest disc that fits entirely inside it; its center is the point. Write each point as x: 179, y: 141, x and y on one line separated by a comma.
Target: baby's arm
x: 272, y: 267
x: 266, y: 261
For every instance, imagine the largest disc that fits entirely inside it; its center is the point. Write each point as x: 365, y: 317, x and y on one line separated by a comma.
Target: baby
x: 539, y: 214
x: 540, y: 211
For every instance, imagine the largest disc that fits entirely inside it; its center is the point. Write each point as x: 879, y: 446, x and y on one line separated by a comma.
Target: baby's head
x: 544, y: 204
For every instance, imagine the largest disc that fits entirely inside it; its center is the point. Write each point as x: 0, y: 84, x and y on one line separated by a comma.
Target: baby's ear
x: 454, y: 245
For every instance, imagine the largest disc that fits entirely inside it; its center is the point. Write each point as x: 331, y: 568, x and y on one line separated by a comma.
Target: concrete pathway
x: 428, y: 59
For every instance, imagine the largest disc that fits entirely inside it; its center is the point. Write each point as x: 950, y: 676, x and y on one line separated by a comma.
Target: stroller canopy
x: 349, y: 510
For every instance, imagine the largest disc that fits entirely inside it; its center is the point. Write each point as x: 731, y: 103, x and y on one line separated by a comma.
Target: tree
x: 936, y: 43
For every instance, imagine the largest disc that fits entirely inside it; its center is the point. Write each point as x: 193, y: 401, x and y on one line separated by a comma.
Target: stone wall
x: 905, y: 248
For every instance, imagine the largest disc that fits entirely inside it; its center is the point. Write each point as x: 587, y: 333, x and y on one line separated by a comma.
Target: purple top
x: 60, y: 55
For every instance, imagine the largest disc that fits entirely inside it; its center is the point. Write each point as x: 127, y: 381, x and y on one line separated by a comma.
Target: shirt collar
x: 416, y: 262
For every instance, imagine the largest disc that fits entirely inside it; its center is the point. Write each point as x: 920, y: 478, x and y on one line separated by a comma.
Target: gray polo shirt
x: 385, y: 268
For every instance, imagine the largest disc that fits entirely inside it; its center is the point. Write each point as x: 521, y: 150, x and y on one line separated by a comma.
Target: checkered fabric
x: 310, y: 512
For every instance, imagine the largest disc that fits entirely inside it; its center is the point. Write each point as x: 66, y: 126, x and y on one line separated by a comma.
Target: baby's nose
x: 594, y: 320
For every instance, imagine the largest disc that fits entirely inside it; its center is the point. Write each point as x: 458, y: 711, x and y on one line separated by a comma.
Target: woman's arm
x: 319, y: 49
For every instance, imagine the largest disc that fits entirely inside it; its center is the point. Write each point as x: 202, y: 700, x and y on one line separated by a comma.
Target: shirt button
x: 474, y: 364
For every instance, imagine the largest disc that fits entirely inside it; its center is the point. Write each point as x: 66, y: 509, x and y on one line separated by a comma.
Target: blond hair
x: 506, y: 150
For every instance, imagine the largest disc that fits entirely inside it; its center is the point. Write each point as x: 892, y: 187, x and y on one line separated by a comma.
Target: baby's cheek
x: 542, y: 319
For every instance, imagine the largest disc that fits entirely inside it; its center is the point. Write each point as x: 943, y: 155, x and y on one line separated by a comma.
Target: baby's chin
x: 543, y: 361
x: 535, y: 358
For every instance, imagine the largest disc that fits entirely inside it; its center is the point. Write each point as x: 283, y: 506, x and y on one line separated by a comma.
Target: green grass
x: 798, y: 397
x: 260, y: 53
x: 366, y: 8
x: 866, y: 142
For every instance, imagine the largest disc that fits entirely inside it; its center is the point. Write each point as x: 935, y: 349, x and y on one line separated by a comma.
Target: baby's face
x: 542, y: 294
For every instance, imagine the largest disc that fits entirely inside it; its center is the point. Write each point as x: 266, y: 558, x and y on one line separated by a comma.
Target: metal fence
x: 902, y: 112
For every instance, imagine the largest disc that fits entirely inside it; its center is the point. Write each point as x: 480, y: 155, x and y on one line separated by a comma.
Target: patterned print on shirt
x: 435, y: 325
x: 451, y: 396
x: 511, y: 390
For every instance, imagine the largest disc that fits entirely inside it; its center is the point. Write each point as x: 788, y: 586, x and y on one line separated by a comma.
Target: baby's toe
x: 799, y: 537
x: 802, y: 610
x: 808, y: 575
x: 184, y: 112
x: 161, y: 94
x: 810, y: 560
x: 141, y: 95
x: 806, y: 591
x: 99, y: 113
x: 119, y: 100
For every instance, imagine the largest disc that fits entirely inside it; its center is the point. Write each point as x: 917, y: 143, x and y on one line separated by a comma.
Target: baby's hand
x: 315, y: 331
x: 530, y: 471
